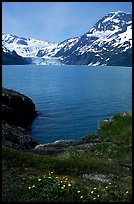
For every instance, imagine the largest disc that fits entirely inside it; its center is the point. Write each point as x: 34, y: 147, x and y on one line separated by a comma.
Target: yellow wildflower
x: 110, y: 183
x: 33, y: 186
x: 94, y: 188
x: 126, y: 192
x: 94, y: 198
x: 29, y: 187
x: 106, y: 187
x: 78, y: 191
x: 50, y: 173
x: 81, y: 197
x: 98, y: 195
x: 62, y: 187
x: 92, y: 192
x: 69, y: 184
x: 39, y: 179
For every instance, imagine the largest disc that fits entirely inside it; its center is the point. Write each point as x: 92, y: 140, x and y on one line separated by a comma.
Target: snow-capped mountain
x: 109, y: 42
x: 28, y: 47
x: 40, y: 52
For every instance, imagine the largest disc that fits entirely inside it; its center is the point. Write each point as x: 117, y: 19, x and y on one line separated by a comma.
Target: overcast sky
x: 55, y: 21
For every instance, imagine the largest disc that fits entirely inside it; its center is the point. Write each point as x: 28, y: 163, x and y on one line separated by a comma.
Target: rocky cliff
x: 18, y: 111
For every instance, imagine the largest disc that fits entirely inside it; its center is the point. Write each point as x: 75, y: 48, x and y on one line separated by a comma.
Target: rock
x: 17, y: 108
x: 59, y: 144
x: 98, y: 177
x: 56, y: 147
x: 62, y: 145
x: 18, y: 112
x: 16, y: 137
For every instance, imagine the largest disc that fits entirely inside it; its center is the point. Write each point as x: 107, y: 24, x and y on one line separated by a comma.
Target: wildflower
x: 81, y: 197
x: 44, y: 176
x: 33, y: 186
x: 62, y: 187
x: 98, y: 195
x: 49, y: 177
x: 94, y: 188
x: 50, y: 173
x: 78, y: 191
x: 39, y: 179
x: 110, y: 183
x: 92, y: 192
x: 126, y: 192
x: 69, y: 184
x: 56, y: 177
x: 94, y: 198
x: 29, y: 187
x: 106, y: 187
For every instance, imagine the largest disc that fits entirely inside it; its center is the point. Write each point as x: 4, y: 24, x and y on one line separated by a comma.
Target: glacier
x: 46, y: 61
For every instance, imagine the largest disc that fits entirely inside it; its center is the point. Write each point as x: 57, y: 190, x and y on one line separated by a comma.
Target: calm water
x: 70, y: 99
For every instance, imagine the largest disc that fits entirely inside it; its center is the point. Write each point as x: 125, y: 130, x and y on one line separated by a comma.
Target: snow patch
x: 94, y: 64
x: 107, y: 59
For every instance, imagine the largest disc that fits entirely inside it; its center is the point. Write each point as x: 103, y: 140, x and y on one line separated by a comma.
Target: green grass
x: 111, y: 158
x: 119, y: 131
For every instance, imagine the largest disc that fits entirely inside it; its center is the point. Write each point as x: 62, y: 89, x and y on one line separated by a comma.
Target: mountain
x: 108, y: 42
x: 40, y: 52
x: 11, y: 58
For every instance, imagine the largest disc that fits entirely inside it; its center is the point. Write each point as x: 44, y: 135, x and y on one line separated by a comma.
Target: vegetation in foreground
x: 101, y: 172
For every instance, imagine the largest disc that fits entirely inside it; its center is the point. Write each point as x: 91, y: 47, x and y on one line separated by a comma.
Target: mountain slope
x: 11, y: 58
x: 109, y: 42
x: 27, y: 47
x: 40, y: 52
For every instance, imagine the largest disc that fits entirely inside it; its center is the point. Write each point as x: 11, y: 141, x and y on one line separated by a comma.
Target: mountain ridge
x: 108, y: 42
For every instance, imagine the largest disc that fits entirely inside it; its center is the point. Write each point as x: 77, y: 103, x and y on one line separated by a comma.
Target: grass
x: 69, y: 176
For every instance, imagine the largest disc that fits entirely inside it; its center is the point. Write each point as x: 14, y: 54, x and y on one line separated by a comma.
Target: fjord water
x: 70, y: 99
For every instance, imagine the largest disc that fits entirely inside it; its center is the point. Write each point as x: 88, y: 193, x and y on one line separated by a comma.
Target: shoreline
x: 15, y: 125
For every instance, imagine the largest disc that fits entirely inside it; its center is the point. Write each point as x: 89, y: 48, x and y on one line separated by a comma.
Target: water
x: 70, y: 99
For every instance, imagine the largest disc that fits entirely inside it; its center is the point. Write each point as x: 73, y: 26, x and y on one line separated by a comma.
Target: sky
x: 55, y: 21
